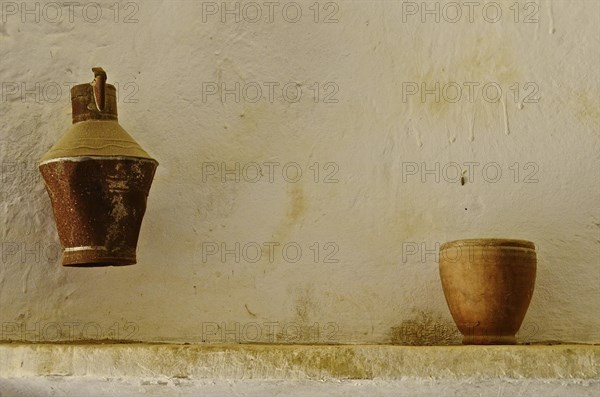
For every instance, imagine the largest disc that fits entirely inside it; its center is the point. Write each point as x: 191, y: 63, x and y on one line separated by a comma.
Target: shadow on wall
x: 431, y: 329
x: 425, y: 328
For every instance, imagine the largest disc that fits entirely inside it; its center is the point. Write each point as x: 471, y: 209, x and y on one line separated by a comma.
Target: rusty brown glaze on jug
x: 98, y: 179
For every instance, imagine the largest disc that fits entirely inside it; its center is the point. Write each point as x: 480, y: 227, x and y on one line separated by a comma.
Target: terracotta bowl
x: 488, y: 284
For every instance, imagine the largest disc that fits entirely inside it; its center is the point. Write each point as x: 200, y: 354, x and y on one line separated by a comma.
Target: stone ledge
x: 300, y: 362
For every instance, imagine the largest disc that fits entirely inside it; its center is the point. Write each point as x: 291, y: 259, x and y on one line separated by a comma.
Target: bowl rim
x: 489, y: 242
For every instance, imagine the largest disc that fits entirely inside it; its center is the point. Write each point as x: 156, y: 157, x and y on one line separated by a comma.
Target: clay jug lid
x: 95, y: 130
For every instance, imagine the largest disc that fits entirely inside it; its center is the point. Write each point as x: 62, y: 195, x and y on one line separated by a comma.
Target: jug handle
x: 99, y: 84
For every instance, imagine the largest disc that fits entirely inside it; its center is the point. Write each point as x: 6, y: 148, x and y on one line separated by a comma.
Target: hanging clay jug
x: 98, y: 179
x: 488, y: 284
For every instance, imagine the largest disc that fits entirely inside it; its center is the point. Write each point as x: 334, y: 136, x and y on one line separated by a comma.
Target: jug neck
x: 94, y: 101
